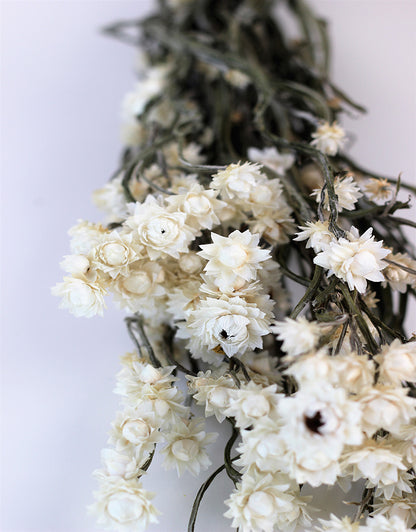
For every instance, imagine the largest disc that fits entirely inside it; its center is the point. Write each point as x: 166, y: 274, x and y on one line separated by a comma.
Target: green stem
x: 310, y: 292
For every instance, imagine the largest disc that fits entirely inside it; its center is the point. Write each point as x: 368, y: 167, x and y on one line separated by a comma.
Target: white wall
x: 62, y: 83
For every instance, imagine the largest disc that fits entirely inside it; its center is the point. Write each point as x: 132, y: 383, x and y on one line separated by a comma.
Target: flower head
x: 328, y: 138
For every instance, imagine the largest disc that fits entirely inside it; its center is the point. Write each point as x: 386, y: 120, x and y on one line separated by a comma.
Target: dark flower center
x: 314, y: 423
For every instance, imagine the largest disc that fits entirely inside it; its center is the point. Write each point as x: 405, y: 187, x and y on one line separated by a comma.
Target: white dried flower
x: 376, y: 462
x: 185, y: 449
x: 251, y: 402
x: 318, y: 421
x: 81, y: 296
x: 298, y: 336
x: 146, y: 90
x: 397, y: 362
x: 211, y: 392
x: 227, y: 325
x: 355, y: 260
x: 398, y: 278
x: 403, y: 507
x: 379, y: 523
x: 317, y: 235
x: 120, y: 464
x: 274, y: 224
x: 264, y: 503
x: 238, y: 181
x: 328, y: 138
x: 234, y: 257
x: 190, y: 263
x: 162, y: 233
x: 201, y: 206
x: 335, y: 524
x: 77, y: 265
x: 111, y: 199
x: 386, y: 407
x: 347, y: 191
x: 123, y: 505
x: 115, y: 254
x: 237, y: 79
x: 270, y: 157
x: 378, y: 189
x: 85, y: 236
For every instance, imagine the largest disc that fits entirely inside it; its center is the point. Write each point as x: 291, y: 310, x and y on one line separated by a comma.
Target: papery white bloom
x: 211, y: 392
x: 404, y: 484
x: 80, y: 296
x: 132, y: 132
x: 233, y: 257
x: 200, y: 205
x: 141, y: 289
x: 298, y: 336
x: 335, y: 524
x: 111, y: 199
x: 262, y: 445
x: 191, y: 154
x: 149, y: 87
x: 161, y: 232
x: 378, y: 189
x: 181, y: 301
x: 238, y: 181
x: 314, y: 367
x: 114, y: 254
x: 185, y: 449
x: 270, y: 157
x: 85, y: 236
x: 237, y: 79
x: 375, y: 461
x: 397, y: 362
x: 227, y: 325
x: 264, y: 503
x: 347, y: 191
x: 251, y: 402
x: 274, y: 225
x: 136, y: 430
x: 77, y: 265
x: 328, y: 138
x: 317, y: 235
x: 398, y: 278
x: 379, y: 523
x: 317, y: 422
x: 403, y: 507
x: 123, y: 505
x: 407, y: 444
x: 386, y: 407
x: 120, y: 464
x: 355, y: 372
x: 355, y: 260
x: 190, y: 263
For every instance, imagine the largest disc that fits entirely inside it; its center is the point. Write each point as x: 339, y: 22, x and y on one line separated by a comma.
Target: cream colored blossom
x: 335, y: 524
x: 328, y: 138
x: 317, y: 235
x: 398, y: 278
x: 298, y: 336
x: 80, y: 296
x: 397, y: 362
x: 237, y: 79
x: 275, y: 225
x: 318, y: 421
x: 378, y: 190
x: 355, y: 260
x: 266, y: 502
x: 227, y: 325
x: 237, y: 181
x: 233, y: 257
x: 386, y: 407
x: 270, y: 157
x: 403, y: 507
x: 162, y: 233
x: 123, y: 505
x: 200, y: 206
x: 185, y: 449
x: 85, y: 236
x: 347, y: 191
x: 148, y: 88
x: 115, y: 254
x: 379, y: 523
x: 251, y: 402
x: 111, y: 199
x: 213, y: 393
x: 77, y: 265
x: 120, y: 464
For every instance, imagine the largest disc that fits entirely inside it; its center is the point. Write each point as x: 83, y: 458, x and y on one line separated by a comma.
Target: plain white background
x: 62, y: 83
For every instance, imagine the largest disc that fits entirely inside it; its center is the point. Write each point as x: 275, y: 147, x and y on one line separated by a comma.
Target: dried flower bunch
x: 256, y: 259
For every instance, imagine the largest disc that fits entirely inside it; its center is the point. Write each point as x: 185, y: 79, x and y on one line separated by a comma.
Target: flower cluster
x: 232, y: 190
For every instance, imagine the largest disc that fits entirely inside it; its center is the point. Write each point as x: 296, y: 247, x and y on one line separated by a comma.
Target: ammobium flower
x: 354, y: 260
x: 298, y: 336
x: 347, y: 191
x: 161, y: 232
x: 379, y: 523
x: 211, y: 392
x: 328, y: 138
x: 266, y: 502
x: 237, y: 181
x: 115, y: 254
x: 234, y: 257
x: 378, y: 189
x: 317, y: 234
x: 123, y: 505
x: 270, y: 157
x: 398, y: 362
x: 227, y: 325
x: 80, y: 296
x: 252, y: 402
x: 398, y: 278
x: 185, y: 449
